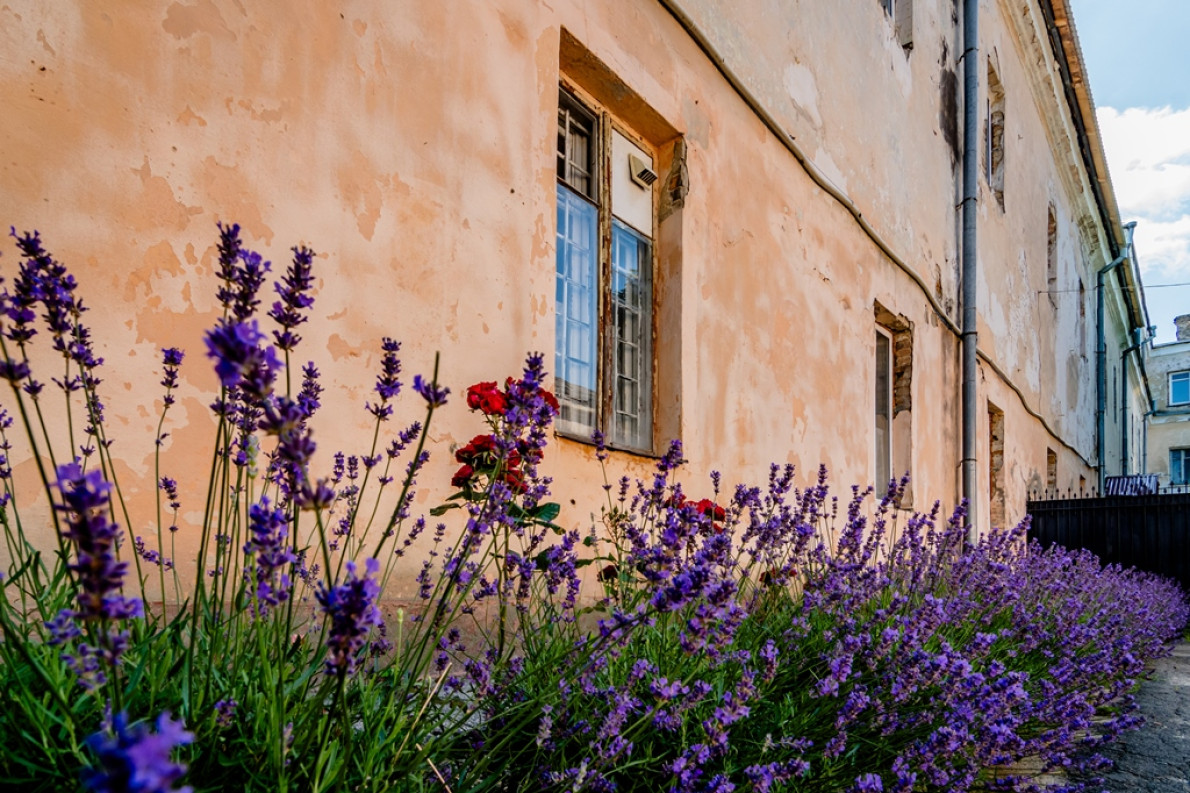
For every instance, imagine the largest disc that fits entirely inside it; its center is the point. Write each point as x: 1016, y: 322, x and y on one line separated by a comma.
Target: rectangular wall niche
x: 898, y: 331
x: 996, y: 465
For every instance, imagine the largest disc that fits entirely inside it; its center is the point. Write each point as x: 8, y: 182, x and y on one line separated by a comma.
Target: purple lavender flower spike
x: 13, y: 371
x: 311, y: 391
x: 434, y: 394
x: 387, y: 384
x: 134, y: 759
x: 229, y: 255
x: 352, y: 611
x: 294, y: 291
x: 171, y: 359
x: 315, y: 495
x: 249, y: 276
x: 869, y: 783
x: 225, y: 711
x: 170, y: 488
x: 268, y: 529
x: 240, y: 360
x: 85, y: 501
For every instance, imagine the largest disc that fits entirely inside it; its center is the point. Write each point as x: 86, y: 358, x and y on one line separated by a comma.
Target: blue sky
x: 1138, y: 60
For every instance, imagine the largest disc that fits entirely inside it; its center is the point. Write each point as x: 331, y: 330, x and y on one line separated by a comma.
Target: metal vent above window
x: 642, y: 174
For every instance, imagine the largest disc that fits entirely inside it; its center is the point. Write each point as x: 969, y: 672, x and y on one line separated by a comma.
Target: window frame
x: 995, y: 133
x: 900, y: 16
x: 605, y: 125
x: 1184, y: 479
x: 881, y: 481
x: 1182, y: 375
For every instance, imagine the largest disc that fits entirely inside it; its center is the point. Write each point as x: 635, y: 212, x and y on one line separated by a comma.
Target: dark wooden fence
x: 1148, y: 532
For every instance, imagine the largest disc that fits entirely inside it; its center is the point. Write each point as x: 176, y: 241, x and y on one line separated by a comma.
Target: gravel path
x: 1156, y: 758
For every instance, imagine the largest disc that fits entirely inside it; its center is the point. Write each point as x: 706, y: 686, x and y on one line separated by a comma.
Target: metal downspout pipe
x: 1139, y: 338
x: 969, y: 337
x: 1101, y: 374
x: 1101, y: 360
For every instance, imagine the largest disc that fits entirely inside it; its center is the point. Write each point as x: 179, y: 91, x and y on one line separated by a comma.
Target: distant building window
x: 901, y: 14
x: 1179, y: 466
x: 994, y: 156
x: 604, y: 321
x: 1179, y: 388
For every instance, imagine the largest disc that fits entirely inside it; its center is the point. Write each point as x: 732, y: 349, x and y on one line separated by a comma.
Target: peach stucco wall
x: 412, y: 145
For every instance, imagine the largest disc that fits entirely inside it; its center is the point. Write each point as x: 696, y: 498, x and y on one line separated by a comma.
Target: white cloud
x: 1148, y: 154
x: 1163, y: 248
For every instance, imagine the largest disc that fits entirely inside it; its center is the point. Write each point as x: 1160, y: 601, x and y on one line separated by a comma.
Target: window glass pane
x: 632, y: 315
x: 578, y: 312
x: 883, y: 413
x: 576, y: 135
x: 1177, y: 466
x: 1179, y: 388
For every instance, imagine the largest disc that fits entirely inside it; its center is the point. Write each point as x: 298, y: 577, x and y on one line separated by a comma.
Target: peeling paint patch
x: 799, y: 83
x: 189, y: 117
x: 948, y: 111
x: 339, y: 348
x: 157, y: 206
x: 228, y: 190
x: 830, y: 169
x: 265, y: 115
x: 41, y: 39
x: 361, y: 191
x: 182, y: 21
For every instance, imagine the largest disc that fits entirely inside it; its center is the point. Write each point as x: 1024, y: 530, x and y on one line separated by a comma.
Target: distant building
x: 1169, y: 424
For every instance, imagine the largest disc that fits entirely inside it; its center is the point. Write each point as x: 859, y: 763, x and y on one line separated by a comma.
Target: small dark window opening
x: 994, y: 158
x: 1051, y: 258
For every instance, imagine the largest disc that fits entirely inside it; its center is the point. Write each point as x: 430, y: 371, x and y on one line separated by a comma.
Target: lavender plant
x: 769, y: 637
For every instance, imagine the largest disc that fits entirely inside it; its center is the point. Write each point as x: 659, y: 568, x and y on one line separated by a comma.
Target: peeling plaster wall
x: 413, y: 147
x: 1039, y: 332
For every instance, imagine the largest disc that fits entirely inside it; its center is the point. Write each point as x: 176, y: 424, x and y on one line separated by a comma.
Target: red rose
x: 476, y: 448
x: 487, y: 398
x: 711, y: 509
x: 515, y: 480
x: 677, y: 503
x: 546, y: 396
x: 462, y: 477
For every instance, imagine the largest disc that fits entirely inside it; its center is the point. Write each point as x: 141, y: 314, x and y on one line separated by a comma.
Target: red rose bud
x: 477, y: 447
x: 462, y: 477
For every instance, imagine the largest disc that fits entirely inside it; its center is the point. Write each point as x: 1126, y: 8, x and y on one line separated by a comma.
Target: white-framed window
x: 605, y: 273
x: 1179, y: 466
x: 1179, y: 388
x: 884, y: 414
